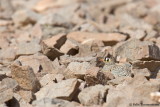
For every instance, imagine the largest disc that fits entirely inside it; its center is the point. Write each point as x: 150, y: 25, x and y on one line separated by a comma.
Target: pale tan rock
x: 48, y: 102
x: 8, y: 54
x: 135, y: 49
x: 106, y: 37
x: 25, y: 77
x: 21, y: 102
x: 6, y: 95
x: 26, y: 95
x: 39, y: 63
x: 25, y: 48
x: 93, y: 95
x: 78, y: 69
x: 45, y: 4
x: 70, y: 47
x: 144, y: 72
x: 117, y: 97
x: 10, y: 83
x: 155, y: 96
x: 65, y: 89
x: 59, y: 77
x: 46, y: 79
x: 5, y: 22
x: 24, y: 17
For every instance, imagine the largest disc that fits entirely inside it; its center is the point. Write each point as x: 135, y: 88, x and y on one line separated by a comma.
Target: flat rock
x: 10, y: 83
x: 150, y: 65
x: 26, y: 95
x: 46, y: 79
x: 39, y: 63
x: 25, y: 77
x: 65, y: 89
x: 53, y: 102
x: 6, y: 95
x: 6, y: 92
x: 25, y: 48
x: 105, y: 37
x: 135, y: 93
x: 24, y: 17
x: 70, y: 47
x: 78, y: 69
x: 93, y: 95
x: 135, y: 49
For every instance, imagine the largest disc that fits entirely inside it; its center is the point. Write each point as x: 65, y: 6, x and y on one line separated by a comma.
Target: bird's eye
x: 107, y: 59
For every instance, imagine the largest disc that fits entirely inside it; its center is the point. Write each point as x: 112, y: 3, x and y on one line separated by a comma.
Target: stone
x: 119, y: 80
x: 155, y: 96
x: 66, y: 89
x: 25, y: 17
x: 93, y: 95
x: 42, y: 5
x: 10, y: 83
x: 46, y: 79
x: 38, y: 62
x: 105, y: 37
x: 145, y: 72
x: 137, y: 50
x: 26, y: 95
x: 5, y: 22
x: 59, y: 77
x: 150, y: 65
x: 19, y: 101
x: 6, y: 95
x: 25, y: 77
x: 135, y: 93
x: 70, y: 47
x: 78, y: 69
x: 8, y: 54
x: 53, y: 102
x: 51, y: 46
x: 25, y: 48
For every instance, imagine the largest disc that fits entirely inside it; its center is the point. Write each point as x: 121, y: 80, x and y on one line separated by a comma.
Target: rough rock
x: 51, y: 46
x: 93, y: 95
x: 52, y: 102
x: 25, y: 77
x: 26, y: 95
x: 70, y: 47
x: 144, y: 72
x: 6, y: 94
x: 24, y: 17
x: 46, y: 79
x: 10, y: 83
x: 105, y: 37
x: 25, y: 48
x: 66, y: 89
x: 39, y: 63
x: 138, y: 91
x: 78, y: 69
x: 8, y: 54
x: 135, y: 49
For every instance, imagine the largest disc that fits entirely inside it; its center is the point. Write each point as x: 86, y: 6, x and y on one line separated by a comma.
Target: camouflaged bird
x: 116, y: 69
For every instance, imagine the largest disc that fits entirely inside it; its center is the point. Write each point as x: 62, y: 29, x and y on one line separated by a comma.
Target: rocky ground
x: 49, y: 51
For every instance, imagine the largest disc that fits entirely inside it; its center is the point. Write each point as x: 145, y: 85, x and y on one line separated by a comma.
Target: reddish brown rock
x: 51, y: 46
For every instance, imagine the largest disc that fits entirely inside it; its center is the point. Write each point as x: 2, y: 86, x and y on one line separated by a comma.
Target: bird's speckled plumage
x: 116, y: 69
